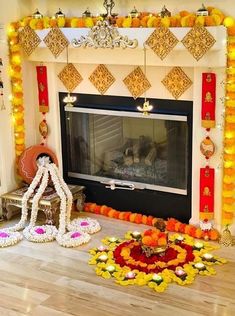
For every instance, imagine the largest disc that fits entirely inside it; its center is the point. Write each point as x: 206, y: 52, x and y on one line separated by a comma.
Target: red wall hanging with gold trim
x: 208, y: 100
x: 207, y: 179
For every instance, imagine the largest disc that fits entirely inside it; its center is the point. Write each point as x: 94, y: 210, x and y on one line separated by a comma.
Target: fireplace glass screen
x: 149, y: 151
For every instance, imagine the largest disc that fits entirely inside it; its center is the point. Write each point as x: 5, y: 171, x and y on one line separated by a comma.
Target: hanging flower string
x: 25, y: 199
x: 15, y: 74
x: 47, y: 233
x: 172, y: 224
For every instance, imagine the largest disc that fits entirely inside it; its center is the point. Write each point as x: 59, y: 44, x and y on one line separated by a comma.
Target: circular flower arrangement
x: 8, y: 238
x: 126, y: 261
x: 73, y: 239
x: 86, y: 225
x: 43, y: 233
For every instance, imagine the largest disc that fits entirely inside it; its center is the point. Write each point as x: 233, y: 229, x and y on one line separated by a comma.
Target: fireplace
x: 128, y: 160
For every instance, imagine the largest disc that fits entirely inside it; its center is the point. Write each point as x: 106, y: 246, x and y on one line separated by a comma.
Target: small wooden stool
x: 49, y: 203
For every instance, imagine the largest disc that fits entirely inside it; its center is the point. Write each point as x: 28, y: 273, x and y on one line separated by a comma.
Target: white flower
x: 8, y: 238
x: 43, y: 233
x: 73, y: 239
x: 86, y: 225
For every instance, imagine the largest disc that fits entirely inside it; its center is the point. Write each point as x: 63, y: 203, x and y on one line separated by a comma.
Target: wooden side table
x: 49, y: 203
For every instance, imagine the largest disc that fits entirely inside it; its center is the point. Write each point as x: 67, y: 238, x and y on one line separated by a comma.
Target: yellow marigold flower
x: 33, y: 23
x: 89, y: 22
x: 61, y: 22
x: 127, y: 22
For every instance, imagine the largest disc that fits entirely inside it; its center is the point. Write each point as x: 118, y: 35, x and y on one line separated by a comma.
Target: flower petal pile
x: 125, y: 260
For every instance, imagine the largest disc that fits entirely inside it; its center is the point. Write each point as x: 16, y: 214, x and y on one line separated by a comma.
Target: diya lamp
x: 110, y: 268
x: 164, y: 12
x: 180, y: 273
x: 59, y: 14
x: 37, y: 15
x: 113, y: 239
x: 179, y: 239
x: 207, y: 257
x: 200, y: 266
x: 134, y: 13
x: 157, y: 278
x: 136, y: 235
x: 103, y: 258
x: 202, y: 11
x: 130, y: 275
x: 198, y: 245
x: 102, y: 248
x: 87, y: 13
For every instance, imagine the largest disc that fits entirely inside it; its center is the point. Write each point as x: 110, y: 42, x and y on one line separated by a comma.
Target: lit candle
x: 179, y: 238
x: 207, y: 256
x: 180, y: 272
x: 113, y: 239
x: 198, y: 245
x: 130, y: 275
x: 136, y: 234
x: 102, y: 248
x: 110, y: 268
x: 199, y: 266
x: 157, y: 278
x: 103, y: 258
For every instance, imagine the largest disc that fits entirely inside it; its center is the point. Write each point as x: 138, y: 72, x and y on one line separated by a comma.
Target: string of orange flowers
x: 15, y: 73
x: 172, y: 224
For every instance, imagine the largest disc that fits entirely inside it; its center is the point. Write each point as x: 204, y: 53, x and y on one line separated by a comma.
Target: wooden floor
x: 46, y: 279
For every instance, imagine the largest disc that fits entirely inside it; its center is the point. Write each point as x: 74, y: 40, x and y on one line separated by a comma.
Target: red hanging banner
x: 42, y: 89
x: 207, y: 178
x: 208, y: 100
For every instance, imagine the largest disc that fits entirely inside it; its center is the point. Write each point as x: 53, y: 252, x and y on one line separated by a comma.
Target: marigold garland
x: 123, y: 260
x: 172, y: 224
x: 181, y: 19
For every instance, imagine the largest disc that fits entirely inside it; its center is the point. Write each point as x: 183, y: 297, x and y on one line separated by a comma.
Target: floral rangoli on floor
x: 181, y: 261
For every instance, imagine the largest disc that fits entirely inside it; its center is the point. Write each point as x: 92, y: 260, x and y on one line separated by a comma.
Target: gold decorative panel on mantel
x: 56, y: 41
x: 198, y: 41
x: 162, y: 41
x: 177, y: 82
x: 29, y: 40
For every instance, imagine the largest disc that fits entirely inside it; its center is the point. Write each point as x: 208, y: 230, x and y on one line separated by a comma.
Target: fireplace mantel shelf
x: 215, y: 57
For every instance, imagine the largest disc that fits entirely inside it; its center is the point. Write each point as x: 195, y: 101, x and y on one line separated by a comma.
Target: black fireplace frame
x: 149, y: 202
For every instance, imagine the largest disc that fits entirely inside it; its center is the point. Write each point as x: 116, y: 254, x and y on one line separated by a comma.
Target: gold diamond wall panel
x: 56, y: 41
x: 29, y: 40
x: 177, y: 82
x: 162, y: 41
x: 198, y: 41
x: 102, y: 78
x: 70, y: 77
x: 137, y: 83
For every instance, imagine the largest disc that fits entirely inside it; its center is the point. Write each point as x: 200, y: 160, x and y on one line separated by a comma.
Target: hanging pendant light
x: 146, y: 107
x: 68, y: 100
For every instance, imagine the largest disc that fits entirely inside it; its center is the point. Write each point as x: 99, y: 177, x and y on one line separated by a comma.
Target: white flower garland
x: 8, y: 238
x: 86, y: 225
x: 37, y: 196
x: 44, y: 233
x: 73, y: 239
x: 47, y: 233
x: 60, y: 192
x: 26, y: 197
